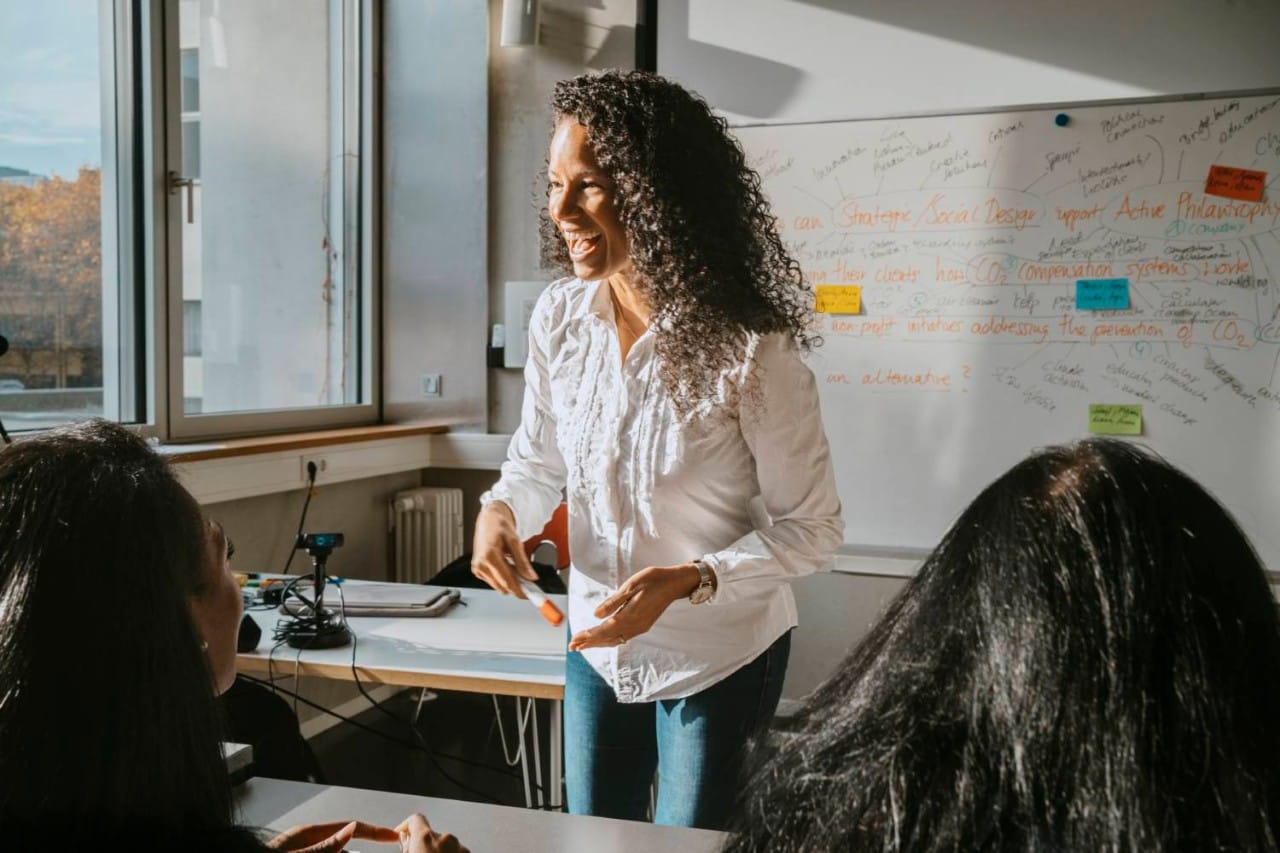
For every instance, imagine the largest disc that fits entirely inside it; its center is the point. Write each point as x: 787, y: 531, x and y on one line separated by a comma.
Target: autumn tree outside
x: 51, y: 281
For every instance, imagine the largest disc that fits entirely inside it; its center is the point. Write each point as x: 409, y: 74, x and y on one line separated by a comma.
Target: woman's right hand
x: 332, y: 837
x: 416, y: 836
x: 497, y: 552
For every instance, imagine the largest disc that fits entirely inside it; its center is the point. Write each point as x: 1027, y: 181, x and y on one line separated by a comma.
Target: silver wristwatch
x: 706, y: 584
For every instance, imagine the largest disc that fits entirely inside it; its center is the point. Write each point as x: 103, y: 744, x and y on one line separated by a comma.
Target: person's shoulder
x: 772, y: 348
x: 772, y: 345
x: 566, y: 293
x: 562, y: 300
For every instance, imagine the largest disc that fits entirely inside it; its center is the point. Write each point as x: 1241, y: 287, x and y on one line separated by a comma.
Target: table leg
x: 557, y: 752
x: 524, y: 752
x: 537, y: 750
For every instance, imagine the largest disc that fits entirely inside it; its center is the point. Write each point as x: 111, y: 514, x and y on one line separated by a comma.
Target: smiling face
x: 580, y: 202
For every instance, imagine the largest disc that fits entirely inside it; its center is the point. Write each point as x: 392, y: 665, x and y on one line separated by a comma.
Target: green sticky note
x: 1115, y: 419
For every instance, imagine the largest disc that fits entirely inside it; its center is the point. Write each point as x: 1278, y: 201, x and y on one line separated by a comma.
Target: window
x: 185, y: 196
x: 65, y: 177
x: 190, y: 103
x: 191, y: 328
x: 266, y: 217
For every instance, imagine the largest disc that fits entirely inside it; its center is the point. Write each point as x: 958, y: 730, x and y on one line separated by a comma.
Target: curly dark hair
x: 702, y: 237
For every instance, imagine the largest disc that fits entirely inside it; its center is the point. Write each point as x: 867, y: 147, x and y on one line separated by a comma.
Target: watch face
x: 701, y: 595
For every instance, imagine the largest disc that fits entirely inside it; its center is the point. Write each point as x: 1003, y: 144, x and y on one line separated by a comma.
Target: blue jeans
x: 695, y: 743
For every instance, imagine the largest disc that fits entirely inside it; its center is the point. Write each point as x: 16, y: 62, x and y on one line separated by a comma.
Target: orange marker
x: 539, y: 600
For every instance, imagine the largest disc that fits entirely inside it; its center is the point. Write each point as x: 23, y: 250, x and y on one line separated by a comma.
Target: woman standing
x: 666, y: 395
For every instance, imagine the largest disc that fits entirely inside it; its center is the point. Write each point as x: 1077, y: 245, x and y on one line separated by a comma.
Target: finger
x: 497, y: 576
x: 334, y: 842
x: 601, y: 636
x: 507, y: 577
x: 414, y: 822
x: 304, y: 834
x: 518, y: 556
x: 373, y: 832
x: 497, y: 572
x: 614, y: 603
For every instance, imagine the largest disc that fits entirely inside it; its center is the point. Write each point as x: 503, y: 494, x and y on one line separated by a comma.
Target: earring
x: 204, y: 646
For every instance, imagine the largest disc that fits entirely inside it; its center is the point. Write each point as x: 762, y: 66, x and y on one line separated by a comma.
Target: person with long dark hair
x: 666, y: 394
x: 1090, y: 660
x: 118, y: 623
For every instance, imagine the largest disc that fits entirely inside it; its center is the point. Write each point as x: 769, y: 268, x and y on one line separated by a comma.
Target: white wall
x: 576, y: 36
x: 434, y: 207
x: 263, y: 527
x: 808, y: 60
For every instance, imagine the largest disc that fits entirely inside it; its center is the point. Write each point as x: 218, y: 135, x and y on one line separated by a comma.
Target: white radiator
x: 426, y: 526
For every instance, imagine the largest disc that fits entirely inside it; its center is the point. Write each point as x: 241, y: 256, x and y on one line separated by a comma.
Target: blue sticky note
x: 1102, y: 294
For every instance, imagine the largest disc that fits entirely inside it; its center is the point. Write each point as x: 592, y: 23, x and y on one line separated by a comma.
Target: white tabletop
x: 493, y: 644
x: 277, y: 805
x: 238, y: 756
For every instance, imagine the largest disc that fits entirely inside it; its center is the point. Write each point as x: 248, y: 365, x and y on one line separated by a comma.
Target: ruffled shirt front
x: 753, y: 496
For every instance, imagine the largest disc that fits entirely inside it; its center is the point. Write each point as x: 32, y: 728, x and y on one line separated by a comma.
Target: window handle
x: 177, y: 182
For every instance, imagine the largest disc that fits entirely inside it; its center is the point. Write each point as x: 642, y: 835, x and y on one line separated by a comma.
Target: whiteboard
x: 967, y: 235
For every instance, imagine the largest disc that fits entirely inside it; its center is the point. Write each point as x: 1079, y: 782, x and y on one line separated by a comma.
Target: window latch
x: 177, y: 182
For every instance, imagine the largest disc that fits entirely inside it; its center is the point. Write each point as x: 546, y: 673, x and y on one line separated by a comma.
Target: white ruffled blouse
x: 754, y: 496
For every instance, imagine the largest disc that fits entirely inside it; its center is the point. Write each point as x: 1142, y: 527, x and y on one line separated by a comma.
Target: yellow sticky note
x: 1115, y: 419
x: 838, y: 299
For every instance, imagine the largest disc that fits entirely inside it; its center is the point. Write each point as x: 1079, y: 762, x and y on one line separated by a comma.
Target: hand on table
x: 637, y: 605
x: 330, y: 837
x: 416, y: 836
x: 497, y: 552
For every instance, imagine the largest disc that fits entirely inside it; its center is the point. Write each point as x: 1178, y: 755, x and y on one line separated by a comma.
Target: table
x: 494, y: 644
x: 277, y: 805
x: 239, y: 760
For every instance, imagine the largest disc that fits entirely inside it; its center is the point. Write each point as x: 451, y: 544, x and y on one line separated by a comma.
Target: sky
x: 50, y: 86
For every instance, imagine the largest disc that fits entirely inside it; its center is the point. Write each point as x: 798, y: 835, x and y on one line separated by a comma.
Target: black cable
x: 390, y: 738
x: 417, y: 733
x: 286, y: 627
x: 302, y: 522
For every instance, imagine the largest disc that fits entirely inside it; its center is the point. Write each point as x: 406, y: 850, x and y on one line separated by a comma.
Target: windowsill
x: 249, y: 467
x: 297, y: 441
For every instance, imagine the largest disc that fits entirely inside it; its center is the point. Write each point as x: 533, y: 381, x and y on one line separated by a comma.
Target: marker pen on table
x: 539, y: 600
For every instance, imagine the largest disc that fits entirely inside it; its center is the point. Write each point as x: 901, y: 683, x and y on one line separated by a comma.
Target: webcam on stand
x: 321, y: 628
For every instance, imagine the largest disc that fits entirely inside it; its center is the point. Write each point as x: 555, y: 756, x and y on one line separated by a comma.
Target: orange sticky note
x: 838, y: 299
x: 1230, y: 182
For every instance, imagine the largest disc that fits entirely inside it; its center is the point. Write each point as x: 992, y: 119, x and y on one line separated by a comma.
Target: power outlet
x: 432, y: 384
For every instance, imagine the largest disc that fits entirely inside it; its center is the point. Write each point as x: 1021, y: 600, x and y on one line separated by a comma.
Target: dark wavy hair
x: 1090, y: 660
x: 108, y: 725
x: 702, y: 238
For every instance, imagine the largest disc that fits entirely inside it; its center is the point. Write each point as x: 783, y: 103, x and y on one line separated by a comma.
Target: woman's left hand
x: 637, y: 605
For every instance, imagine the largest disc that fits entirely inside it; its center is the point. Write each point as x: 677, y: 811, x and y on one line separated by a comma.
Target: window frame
x: 125, y: 350
x: 168, y: 418
x: 123, y: 395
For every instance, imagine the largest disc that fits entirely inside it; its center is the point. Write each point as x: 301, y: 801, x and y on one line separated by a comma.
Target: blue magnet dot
x: 1061, y: 119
